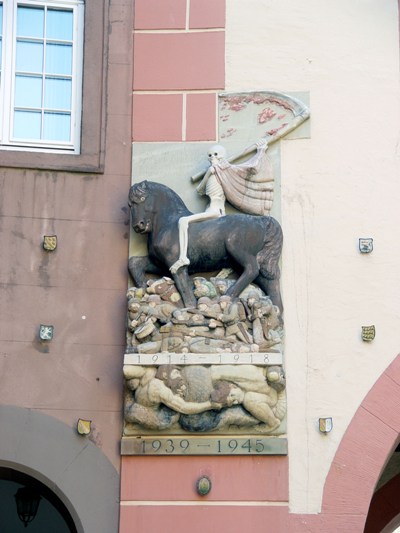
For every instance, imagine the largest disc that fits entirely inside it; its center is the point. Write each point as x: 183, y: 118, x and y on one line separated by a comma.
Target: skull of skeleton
x: 216, y: 154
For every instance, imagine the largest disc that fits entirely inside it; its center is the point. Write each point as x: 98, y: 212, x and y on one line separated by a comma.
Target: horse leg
x: 250, y: 272
x: 183, y: 284
x: 271, y: 287
x: 138, y: 266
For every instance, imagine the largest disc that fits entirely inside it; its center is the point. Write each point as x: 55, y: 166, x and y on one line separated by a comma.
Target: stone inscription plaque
x: 245, y: 445
x: 263, y: 358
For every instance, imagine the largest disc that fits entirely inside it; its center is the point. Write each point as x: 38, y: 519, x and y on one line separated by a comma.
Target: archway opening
x: 384, y: 510
x: 52, y: 515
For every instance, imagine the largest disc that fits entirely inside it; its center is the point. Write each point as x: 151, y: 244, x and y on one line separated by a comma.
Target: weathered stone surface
x: 194, y: 398
x: 218, y: 324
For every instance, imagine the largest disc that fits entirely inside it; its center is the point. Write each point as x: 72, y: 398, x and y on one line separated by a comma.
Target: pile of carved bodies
x: 206, y: 398
x: 157, y: 321
x: 202, y: 398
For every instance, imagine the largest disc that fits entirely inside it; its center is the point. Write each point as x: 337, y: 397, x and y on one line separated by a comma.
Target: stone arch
x: 70, y: 465
x: 367, y: 445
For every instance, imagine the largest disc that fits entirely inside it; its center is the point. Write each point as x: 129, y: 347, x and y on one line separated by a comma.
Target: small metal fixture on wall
x: 50, y: 242
x: 46, y: 332
x: 27, y: 500
x: 325, y: 425
x: 84, y: 427
x: 368, y: 333
x: 203, y: 485
x: 366, y: 245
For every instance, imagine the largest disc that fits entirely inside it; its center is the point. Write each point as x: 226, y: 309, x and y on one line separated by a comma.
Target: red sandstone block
x: 179, y: 61
x: 201, y: 518
x: 160, y: 14
x: 157, y: 117
x: 393, y: 369
x: 383, y: 401
x: 233, y: 478
x: 207, y: 14
x: 325, y: 523
x: 358, y: 464
x: 201, y: 110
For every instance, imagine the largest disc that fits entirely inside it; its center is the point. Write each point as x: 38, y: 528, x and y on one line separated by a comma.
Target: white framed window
x: 41, y: 55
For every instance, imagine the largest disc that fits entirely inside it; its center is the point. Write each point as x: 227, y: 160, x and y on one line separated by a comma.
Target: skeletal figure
x: 248, y: 187
x: 211, y: 187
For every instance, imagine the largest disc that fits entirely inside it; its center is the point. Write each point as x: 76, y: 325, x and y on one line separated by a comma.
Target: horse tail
x: 268, y: 256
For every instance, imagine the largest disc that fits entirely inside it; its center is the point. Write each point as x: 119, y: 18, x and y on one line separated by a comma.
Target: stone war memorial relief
x: 203, y: 368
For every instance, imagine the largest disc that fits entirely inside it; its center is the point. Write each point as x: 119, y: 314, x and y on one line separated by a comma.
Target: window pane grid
x: 50, y: 118
x: 41, y: 39
x: 40, y: 73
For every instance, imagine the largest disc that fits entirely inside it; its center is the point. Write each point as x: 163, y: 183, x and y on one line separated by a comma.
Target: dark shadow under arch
x: 10, y: 474
x: 385, y: 506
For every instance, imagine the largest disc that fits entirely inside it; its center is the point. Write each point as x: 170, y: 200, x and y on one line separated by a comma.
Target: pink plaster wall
x: 170, y: 61
x: 160, y: 14
x: 154, y: 491
x: 167, y: 59
x: 207, y: 14
x: 201, y: 117
x: 200, y: 518
x: 157, y: 117
x: 238, y: 478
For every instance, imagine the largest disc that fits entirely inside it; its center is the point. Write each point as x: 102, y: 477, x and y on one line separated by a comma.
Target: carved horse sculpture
x: 251, y: 245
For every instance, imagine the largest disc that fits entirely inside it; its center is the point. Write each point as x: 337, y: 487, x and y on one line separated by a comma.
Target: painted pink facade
x: 153, y: 72
x: 176, y: 85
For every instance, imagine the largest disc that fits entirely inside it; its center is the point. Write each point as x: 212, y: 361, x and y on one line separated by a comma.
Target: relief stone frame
x: 204, y: 370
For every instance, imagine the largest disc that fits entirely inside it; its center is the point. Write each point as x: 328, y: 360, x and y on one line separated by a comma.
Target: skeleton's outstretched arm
x: 263, y: 142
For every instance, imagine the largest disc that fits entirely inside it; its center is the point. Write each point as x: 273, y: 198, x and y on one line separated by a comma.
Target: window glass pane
x: 28, y: 91
x: 29, y: 57
x: 30, y: 22
x: 44, y: 74
x: 59, y: 59
x: 27, y: 124
x: 59, y: 24
x: 57, y: 93
x: 57, y: 126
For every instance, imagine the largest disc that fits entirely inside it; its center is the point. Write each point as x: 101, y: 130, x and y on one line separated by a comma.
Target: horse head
x: 140, y: 207
x: 151, y: 202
